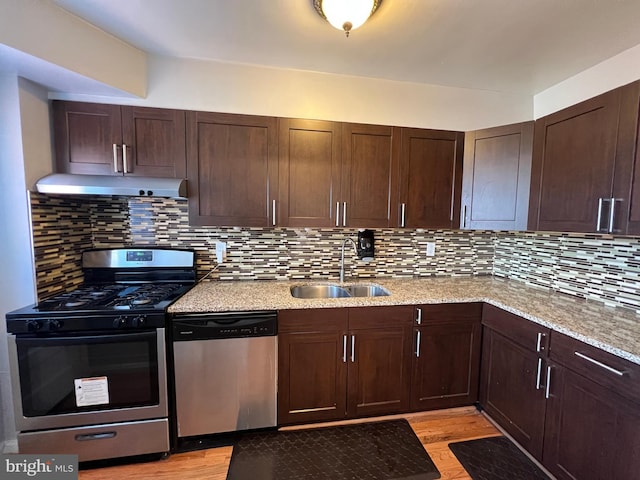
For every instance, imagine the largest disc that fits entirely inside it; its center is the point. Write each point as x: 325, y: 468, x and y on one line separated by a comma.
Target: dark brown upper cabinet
x: 119, y: 140
x: 232, y: 166
x: 582, y: 170
x: 310, y: 170
x: 430, y: 178
x: 497, y: 174
x: 370, y: 156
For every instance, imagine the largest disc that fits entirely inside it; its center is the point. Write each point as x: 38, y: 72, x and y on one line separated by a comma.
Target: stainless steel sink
x: 367, y: 290
x: 318, y: 291
x: 336, y: 291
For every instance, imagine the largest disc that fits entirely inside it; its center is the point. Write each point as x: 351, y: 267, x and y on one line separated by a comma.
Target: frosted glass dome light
x: 346, y: 15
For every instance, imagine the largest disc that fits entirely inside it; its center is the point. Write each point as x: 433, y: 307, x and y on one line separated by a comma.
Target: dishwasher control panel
x: 224, y: 325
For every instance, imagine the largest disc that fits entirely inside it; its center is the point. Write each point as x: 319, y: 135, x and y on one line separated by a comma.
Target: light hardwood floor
x: 434, y: 429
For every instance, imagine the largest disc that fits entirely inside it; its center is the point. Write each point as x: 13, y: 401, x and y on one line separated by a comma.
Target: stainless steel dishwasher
x: 225, y: 367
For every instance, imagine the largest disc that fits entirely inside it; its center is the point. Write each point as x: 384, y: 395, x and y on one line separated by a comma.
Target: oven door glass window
x: 70, y: 374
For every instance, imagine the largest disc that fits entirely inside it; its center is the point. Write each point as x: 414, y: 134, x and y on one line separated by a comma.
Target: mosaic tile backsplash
x: 599, y: 268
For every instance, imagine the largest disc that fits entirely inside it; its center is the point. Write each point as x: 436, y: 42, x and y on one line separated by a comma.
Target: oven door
x: 71, y: 380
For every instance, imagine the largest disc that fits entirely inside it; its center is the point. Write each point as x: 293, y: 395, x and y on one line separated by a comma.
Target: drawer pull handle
x: 600, y: 364
x: 539, y: 374
x: 418, y: 345
x: 95, y: 436
x: 547, y: 390
x: 539, y: 346
x: 419, y: 317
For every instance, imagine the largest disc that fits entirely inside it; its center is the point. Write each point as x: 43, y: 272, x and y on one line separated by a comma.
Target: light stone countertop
x: 614, y: 330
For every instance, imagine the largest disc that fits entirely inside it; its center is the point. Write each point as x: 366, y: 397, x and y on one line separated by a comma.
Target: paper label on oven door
x: 91, y: 391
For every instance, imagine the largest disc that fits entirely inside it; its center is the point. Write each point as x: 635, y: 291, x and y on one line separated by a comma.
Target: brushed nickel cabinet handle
x: 600, y: 364
x: 547, y: 390
x: 115, y: 158
x: 418, y: 345
x: 419, y: 317
x: 539, y: 346
x: 344, y: 214
x: 599, y: 228
x: 464, y: 216
x: 337, y: 214
x: 273, y: 212
x: 353, y: 348
x: 125, y: 164
x: 612, y: 213
x: 403, y: 208
x: 539, y: 374
x: 344, y: 349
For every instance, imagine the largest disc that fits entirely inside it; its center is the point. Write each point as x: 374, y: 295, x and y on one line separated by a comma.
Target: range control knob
x: 120, y: 322
x: 55, y: 324
x: 139, y: 321
x: 34, y: 325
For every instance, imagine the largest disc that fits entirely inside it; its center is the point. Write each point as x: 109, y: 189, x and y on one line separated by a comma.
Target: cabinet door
x: 626, y: 187
x: 379, y: 371
x: 574, y: 155
x: 312, y: 368
x: 232, y: 167
x: 591, y: 432
x: 155, y: 142
x: 497, y: 174
x: 88, y: 138
x: 309, y: 169
x: 370, y: 156
x: 446, y: 363
x: 430, y: 178
x: 510, y: 391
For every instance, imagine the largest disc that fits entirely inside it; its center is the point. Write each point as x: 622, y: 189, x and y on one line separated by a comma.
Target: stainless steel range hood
x: 70, y: 184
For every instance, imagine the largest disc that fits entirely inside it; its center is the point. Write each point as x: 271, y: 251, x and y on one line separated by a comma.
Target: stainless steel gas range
x: 88, y: 367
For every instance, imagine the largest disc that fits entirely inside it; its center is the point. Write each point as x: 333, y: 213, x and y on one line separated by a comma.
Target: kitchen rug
x: 387, y: 450
x: 495, y: 458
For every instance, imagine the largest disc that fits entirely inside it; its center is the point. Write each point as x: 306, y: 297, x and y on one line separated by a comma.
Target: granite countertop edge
x: 614, y: 330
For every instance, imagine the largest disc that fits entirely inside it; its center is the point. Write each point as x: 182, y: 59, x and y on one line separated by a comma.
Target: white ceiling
x: 519, y: 46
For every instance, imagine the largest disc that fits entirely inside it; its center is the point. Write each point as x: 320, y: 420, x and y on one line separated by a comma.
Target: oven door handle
x: 70, y: 339
x: 95, y: 436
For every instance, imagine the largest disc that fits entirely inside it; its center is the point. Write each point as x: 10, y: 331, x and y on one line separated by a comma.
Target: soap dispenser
x: 365, y: 245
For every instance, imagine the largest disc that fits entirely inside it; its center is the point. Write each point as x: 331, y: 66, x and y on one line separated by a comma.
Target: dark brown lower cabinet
x: 343, y: 362
x: 312, y: 373
x: 510, y: 391
x: 591, y: 432
x: 378, y: 371
x: 592, y: 428
x: 446, y: 356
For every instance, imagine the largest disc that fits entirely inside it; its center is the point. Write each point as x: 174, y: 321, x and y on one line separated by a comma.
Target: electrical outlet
x: 431, y: 249
x: 221, y: 252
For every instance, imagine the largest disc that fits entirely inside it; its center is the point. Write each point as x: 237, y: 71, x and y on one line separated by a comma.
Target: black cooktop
x: 125, y: 288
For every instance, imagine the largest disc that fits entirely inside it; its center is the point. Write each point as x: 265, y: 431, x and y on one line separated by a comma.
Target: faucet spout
x: 355, y: 250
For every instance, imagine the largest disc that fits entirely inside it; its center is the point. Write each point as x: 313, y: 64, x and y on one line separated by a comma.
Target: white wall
x: 17, y: 283
x: 37, y: 143
x: 42, y: 29
x: 225, y: 87
x: 612, y: 73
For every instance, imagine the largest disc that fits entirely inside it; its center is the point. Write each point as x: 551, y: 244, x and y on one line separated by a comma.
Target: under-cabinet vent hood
x: 71, y: 184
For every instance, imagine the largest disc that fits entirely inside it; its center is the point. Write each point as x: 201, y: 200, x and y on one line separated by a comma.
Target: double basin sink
x: 339, y: 291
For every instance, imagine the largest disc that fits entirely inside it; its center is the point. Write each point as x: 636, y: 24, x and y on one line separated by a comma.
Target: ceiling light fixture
x: 346, y: 15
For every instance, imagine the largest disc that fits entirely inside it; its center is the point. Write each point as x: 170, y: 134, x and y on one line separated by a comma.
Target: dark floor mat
x: 495, y: 458
x: 387, y: 450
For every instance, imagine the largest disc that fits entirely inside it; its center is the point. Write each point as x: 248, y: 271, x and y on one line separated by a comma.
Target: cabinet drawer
x: 528, y: 334
x: 601, y: 367
x: 380, y: 317
x: 312, y: 320
x: 434, y: 314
